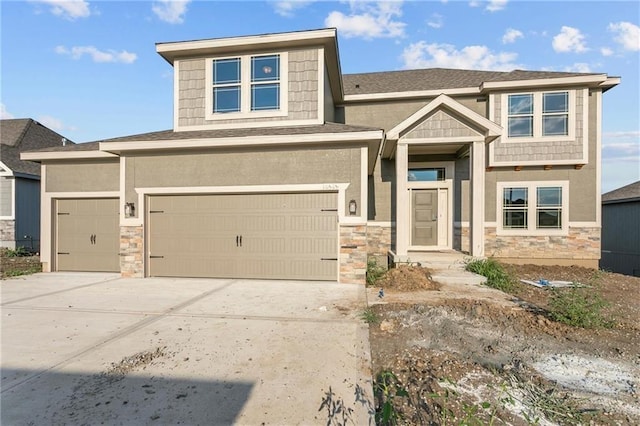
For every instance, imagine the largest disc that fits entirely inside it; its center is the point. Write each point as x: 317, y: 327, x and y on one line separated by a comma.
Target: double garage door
x: 274, y: 236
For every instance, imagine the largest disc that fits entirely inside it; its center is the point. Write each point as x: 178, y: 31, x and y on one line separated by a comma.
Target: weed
x: 19, y: 272
x: 496, y: 276
x: 578, y: 307
x: 374, y: 271
x: 387, y: 387
x: 16, y: 252
x: 338, y: 413
x: 369, y: 316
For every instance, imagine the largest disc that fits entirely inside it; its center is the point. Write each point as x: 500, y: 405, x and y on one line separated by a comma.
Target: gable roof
x: 626, y: 193
x: 441, y: 79
x: 24, y: 134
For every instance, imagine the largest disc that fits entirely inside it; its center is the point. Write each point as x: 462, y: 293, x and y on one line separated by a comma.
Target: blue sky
x: 89, y: 70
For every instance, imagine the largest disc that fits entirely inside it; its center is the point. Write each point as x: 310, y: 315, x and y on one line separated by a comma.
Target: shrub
x: 374, y: 271
x: 578, y: 307
x: 496, y: 276
x: 369, y: 316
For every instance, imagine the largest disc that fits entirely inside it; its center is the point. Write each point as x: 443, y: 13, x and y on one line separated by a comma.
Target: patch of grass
x: 579, y: 307
x: 19, y: 272
x: 374, y: 271
x: 387, y: 387
x: 496, y: 276
x: 369, y: 316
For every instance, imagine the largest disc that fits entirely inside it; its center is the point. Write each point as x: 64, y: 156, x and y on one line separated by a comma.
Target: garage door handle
x: 60, y: 252
x: 328, y: 258
x: 156, y: 257
x: 328, y: 210
x: 240, y: 240
x: 237, y: 241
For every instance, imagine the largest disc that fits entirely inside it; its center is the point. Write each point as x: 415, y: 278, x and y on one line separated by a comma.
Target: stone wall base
x: 8, y: 233
x: 132, y: 251
x: 353, y: 254
x: 581, y: 246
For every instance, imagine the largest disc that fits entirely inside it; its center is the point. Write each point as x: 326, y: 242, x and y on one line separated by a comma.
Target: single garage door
x: 87, y: 235
x: 274, y: 236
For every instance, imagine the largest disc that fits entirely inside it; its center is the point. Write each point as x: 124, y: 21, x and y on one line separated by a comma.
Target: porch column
x: 477, y: 198
x: 402, y: 200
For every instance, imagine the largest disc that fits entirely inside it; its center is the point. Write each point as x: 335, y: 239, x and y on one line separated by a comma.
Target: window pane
x: 516, y: 197
x: 549, y: 218
x: 520, y: 104
x: 265, y: 96
x: 264, y: 68
x: 550, y: 197
x: 520, y: 127
x: 226, y: 99
x: 555, y: 102
x: 514, y: 219
x: 226, y: 71
x: 431, y: 174
x: 555, y: 125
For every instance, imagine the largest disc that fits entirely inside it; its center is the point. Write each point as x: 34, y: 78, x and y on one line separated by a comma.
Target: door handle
x: 240, y: 240
x: 92, y: 239
x: 237, y: 241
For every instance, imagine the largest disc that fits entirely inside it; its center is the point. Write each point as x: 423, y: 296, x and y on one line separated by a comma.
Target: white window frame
x: 245, y: 88
x: 538, y: 117
x: 12, y: 180
x: 532, y: 207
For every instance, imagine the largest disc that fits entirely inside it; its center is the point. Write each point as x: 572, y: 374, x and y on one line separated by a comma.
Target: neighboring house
x: 279, y: 166
x: 20, y: 181
x: 621, y: 230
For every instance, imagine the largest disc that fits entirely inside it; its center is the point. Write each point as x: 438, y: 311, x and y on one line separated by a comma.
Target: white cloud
x: 51, y: 122
x: 436, y: 21
x: 68, y: 9
x: 76, y: 52
x: 511, y: 35
x: 496, y: 5
x: 578, y: 67
x: 621, y: 145
x: 627, y: 34
x: 287, y: 8
x: 425, y: 55
x: 569, y: 40
x: 4, y: 114
x: 369, y: 20
x: 492, y: 5
x: 606, y: 51
x: 171, y: 11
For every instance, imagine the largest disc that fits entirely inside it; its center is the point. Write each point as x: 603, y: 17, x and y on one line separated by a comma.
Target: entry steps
x: 447, y: 267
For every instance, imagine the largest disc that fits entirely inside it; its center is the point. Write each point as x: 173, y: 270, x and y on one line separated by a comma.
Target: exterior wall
x: 580, y: 247
x: 238, y: 168
x: 381, y: 191
x: 621, y: 238
x: 461, y: 238
x: 28, y: 213
x: 549, y: 149
x: 8, y: 233
x: 329, y: 106
x: 303, y: 77
x: 132, y: 251
x: 83, y: 176
x: 440, y: 125
x: 353, y: 254
x: 379, y: 239
x: 6, y: 196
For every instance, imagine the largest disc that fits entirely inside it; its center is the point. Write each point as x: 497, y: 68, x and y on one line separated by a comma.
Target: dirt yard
x: 473, y: 355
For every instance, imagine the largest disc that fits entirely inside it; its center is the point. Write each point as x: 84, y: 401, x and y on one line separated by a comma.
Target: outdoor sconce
x: 129, y: 209
x: 353, y: 207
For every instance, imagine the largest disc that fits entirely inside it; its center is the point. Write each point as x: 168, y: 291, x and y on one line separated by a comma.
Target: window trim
x: 532, y: 209
x: 245, y: 88
x: 538, y: 117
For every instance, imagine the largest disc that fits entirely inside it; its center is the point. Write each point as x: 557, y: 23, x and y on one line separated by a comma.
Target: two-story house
x: 280, y: 166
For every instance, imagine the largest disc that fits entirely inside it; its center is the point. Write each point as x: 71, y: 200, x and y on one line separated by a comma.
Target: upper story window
x: 247, y: 86
x: 539, y: 115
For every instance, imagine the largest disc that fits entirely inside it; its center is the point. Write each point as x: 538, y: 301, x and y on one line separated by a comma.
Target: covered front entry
x: 272, y: 235
x: 87, y: 235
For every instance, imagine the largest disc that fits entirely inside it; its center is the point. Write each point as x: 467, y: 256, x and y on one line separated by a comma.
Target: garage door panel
x: 283, y: 236
x: 87, y: 235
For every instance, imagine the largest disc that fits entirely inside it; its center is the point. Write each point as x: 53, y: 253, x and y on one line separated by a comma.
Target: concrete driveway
x: 91, y: 348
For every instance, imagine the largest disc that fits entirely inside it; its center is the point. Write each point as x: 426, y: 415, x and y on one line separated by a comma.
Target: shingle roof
x: 24, y: 134
x: 626, y: 193
x: 167, y: 135
x: 436, y: 79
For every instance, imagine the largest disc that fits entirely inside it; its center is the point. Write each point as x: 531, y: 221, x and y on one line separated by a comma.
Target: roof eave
x: 594, y: 80
x: 40, y: 156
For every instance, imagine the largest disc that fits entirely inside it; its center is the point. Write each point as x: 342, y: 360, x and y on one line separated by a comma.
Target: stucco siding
x: 241, y: 168
x: 302, y: 91
x: 381, y: 192
x: 85, y: 176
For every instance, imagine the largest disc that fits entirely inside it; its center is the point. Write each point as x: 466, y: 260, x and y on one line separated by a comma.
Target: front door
x: 424, y: 218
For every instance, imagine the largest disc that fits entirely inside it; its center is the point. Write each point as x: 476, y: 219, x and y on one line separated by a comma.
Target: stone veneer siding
x: 580, y: 244
x: 132, y: 251
x: 353, y: 254
x: 378, y: 240
x: 8, y: 233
